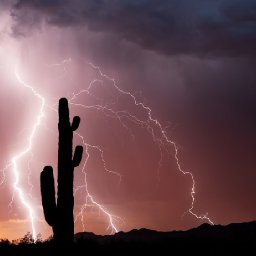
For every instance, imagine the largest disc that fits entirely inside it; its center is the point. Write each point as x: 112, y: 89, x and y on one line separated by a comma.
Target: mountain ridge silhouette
x: 247, y: 229
x: 231, y: 239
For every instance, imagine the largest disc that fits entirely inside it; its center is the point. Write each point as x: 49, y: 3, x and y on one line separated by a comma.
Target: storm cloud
x: 205, y: 28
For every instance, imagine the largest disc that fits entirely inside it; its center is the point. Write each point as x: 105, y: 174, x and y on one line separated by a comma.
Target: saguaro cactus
x: 60, y: 216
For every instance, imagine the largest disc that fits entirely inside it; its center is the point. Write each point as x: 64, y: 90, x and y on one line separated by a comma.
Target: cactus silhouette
x: 60, y: 216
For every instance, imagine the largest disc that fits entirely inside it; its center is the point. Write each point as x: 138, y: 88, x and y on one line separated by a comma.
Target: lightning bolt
x: 89, y: 197
x: 14, y: 163
x: 161, y: 140
x: 164, y: 139
x: 16, y: 170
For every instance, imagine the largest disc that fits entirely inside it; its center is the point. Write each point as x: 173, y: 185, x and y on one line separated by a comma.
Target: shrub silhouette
x: 60, y: 216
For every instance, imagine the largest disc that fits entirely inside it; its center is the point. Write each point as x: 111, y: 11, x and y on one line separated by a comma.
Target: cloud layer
x: 198, y: 27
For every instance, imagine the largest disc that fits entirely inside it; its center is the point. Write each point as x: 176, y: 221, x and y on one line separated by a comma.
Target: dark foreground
x: 233, y: 239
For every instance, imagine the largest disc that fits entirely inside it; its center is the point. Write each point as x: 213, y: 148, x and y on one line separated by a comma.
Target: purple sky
x: 191, y: 62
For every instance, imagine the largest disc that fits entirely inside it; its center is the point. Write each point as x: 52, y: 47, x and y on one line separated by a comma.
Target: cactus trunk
x: 60, y: 215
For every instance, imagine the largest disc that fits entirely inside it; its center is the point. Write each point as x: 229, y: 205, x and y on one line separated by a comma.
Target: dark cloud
x: 201, y: 27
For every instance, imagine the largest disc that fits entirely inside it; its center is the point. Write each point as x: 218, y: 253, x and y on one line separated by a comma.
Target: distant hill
x: 231, y: 232
x: 233, y: 239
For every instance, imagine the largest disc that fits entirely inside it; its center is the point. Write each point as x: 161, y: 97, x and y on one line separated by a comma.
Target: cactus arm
x: 77, y: 156
x: 75, y: 123
x: 48, y: 195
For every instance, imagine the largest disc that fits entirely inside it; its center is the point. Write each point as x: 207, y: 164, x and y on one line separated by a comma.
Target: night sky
x: 191, y: 62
